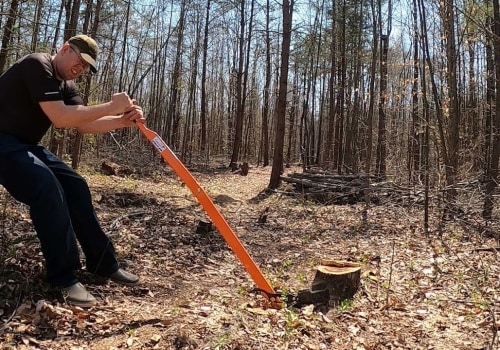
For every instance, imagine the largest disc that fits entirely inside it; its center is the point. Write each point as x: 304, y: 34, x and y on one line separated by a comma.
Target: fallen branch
x: 492, y: 249
x: 349, y: 188
x: 6, y: 323
x: 114, y: 224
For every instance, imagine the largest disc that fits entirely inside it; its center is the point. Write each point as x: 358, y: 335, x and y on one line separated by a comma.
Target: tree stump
x: 241, y: 169
x: 340, y: 278
x: 110, y: 168
x: 244, y: 169
x: 204, y: 227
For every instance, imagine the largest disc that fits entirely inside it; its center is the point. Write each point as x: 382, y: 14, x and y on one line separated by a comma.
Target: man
x: 35, y: 92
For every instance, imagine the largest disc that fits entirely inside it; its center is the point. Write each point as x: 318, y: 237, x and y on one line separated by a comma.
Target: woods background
x: 407, y: 90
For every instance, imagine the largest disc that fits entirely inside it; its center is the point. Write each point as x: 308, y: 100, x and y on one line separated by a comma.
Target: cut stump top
x: 338, y: 270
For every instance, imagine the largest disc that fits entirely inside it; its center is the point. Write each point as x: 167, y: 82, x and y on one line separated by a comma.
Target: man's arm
x: 76, y: 116
x: 132, y: 115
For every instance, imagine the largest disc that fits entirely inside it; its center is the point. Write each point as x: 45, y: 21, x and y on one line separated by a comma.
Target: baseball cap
x: 88, y: 49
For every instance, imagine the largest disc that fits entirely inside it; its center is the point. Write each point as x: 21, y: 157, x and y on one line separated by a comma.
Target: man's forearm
x: 75, y: 116
x: 102, y: 125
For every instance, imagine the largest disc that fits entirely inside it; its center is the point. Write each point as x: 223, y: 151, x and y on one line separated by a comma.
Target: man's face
x: 72, y: 65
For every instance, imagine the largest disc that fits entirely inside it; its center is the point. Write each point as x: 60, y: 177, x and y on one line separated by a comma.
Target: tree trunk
x: 454, y: 110
x: 277, y: 169
x: 72, y: 17
x: 305, y: 126
x: 426, y: 111
x: 121, y: 83
x: 371, y: 102
x: 245, y: 77
x: 339, y: 105
x: 203, y: 101
x: 492, y: 172
x: 173, y: 114
x: 240, y: 98
x: 58, y: 137
x: 381, y: 144
x: 291, y: 127
x: 330, y: 127
x: 414, y: 156
x: 36, y: 28
x: 190, y: 132
x: 267, y: 86
x: 490, y: 95
x: 321, y: 118
x: 58, y: 25
x: 7, y: 34
x: 352, y: 148
x: 77, y: 145
x: 472, y: 120
x: 434, y: 90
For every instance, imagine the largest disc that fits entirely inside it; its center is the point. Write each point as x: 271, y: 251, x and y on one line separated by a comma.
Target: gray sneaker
x: 77, y: 295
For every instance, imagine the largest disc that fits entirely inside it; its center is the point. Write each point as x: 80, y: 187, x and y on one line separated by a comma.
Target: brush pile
x: 329, y: 188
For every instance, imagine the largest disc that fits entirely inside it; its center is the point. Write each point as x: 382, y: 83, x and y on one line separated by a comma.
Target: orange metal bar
x: 214, y: 214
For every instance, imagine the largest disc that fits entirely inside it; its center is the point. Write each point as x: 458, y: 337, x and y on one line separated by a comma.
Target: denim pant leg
x: 60, y: 207
x: 30, y: 181
x: 97, y: 247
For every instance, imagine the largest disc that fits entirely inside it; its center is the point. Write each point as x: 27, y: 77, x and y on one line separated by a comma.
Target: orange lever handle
x: 209, y: 207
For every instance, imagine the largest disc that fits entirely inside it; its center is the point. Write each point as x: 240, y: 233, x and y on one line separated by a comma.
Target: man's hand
x: 121, y: 102
x: 133, y: 114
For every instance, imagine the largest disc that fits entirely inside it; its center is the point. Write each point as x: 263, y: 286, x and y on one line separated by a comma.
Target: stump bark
x: 340, y: 278
x: 110, y: 168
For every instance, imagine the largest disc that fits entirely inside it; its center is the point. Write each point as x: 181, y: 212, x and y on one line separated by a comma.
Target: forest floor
x: 440, y: 292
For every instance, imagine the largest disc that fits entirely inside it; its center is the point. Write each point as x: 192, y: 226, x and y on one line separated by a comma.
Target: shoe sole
x: 123, y: 283
x: 81, y: 304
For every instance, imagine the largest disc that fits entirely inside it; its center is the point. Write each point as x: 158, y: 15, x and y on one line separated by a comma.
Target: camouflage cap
x: 88, y: 49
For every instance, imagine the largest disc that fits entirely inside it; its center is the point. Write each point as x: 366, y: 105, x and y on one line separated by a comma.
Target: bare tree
x: 58, y: 25
x: 426, y: 111
x: 352, y: 149
x: 267, y: 85
x: 492, y: 171
x: 58, y: 136
x: 338, y: 159
x: 382, y: 134
x: 287, y: 9
x: 241, y: 82
x: 121, y: 82
x: 190, y: 122
x: 448, y: 15
x: 77, y: 144
x: 373, y: 69
x: 174, y: 108
x: 72, y: 17
x: 415, y: 136
x: 36, y: 29
x: 7, y: 34
x: 203, y: 102
x: 488, y: 125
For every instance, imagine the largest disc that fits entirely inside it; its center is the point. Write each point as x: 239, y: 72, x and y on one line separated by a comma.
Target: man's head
x: 75, y: 57
x: 87, y: 48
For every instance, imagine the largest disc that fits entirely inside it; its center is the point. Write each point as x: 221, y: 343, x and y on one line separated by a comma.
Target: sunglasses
x: 83, y: 63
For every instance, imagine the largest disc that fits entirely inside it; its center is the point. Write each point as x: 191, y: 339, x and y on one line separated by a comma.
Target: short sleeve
x: 39, y: 79
x: 71, y: 94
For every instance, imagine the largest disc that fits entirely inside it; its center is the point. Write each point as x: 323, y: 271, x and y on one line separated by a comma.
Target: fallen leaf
x: 257, y: 311
x: 308, y: 310
x: 155, y: 338
x: 130, y: 341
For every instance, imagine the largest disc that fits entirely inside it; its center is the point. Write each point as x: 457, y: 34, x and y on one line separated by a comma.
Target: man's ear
x: 64, y: 48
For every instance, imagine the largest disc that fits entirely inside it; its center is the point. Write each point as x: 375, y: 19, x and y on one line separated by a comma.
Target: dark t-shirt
x: 29, y: 81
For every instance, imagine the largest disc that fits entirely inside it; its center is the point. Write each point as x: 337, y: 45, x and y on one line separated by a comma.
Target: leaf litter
x: 416, y: 293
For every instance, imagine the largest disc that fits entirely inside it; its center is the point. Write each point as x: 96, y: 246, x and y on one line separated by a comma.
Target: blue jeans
x: 61, y: 209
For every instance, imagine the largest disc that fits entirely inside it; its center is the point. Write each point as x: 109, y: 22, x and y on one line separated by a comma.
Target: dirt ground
x: 415, y: 293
